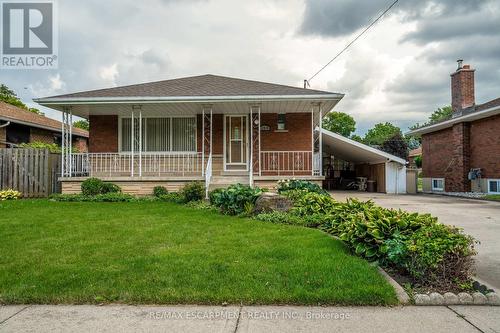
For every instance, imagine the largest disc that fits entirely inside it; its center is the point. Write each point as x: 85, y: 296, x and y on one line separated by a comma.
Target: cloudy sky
x: 398, y: 72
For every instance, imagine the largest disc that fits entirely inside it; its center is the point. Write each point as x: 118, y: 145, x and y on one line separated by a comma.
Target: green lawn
x: 152, y: 253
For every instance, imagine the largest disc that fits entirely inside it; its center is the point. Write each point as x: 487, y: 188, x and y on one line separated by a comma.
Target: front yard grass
x: 164, y: 253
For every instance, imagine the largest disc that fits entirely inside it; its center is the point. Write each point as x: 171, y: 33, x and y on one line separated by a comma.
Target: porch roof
x: 188, y: 95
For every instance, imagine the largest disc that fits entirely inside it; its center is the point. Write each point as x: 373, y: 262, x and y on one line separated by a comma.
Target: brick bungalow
x: 214, y: 129
x: 462, y: 154
x: 19, y: 126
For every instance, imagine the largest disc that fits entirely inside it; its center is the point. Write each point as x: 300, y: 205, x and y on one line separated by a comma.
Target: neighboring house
x: 210, y: 128
x: 19, y: 126
x: 412, y: 155
x: 462, y: 154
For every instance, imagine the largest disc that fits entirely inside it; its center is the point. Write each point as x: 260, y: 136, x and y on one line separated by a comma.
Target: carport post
x: 320, y: 141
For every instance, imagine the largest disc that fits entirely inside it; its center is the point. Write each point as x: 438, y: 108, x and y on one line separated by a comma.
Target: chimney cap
x: 460, y: 62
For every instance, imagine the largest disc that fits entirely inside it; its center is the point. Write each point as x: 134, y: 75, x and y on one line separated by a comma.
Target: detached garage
x: 348, y: 162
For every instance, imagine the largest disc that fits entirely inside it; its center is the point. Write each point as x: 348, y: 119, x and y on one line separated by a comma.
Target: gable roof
x: 194, y: 86
x: 476, y: 112
x: 18, y: 115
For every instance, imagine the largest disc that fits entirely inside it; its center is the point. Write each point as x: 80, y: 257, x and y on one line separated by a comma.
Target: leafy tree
x: 396, y: 145
x: 357, y: 138
x: 440, y: 114
x: 380, y: 133
x: 83, y: 124
x: 339, y: 122
x: 8, y: 96
x: 418, y: 161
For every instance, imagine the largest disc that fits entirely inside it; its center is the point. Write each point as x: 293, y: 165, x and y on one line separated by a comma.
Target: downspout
x: 5, y: 125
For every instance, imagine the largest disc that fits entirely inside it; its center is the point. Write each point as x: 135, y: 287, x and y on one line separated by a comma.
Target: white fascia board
x: 176, y: 99
x: 388, y: 156
x: 449, y: 123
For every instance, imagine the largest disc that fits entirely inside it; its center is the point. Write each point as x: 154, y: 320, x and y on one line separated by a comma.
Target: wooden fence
x: 33, y: 172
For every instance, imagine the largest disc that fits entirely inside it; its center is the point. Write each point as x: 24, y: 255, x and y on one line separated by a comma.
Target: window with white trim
x: 494, y: 186
x: 175, y: 134
x: 437, y: 184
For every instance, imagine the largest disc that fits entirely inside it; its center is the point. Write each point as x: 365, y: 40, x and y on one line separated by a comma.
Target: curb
x: 401, y: 294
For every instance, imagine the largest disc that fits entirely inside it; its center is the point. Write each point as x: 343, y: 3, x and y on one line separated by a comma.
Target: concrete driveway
x: 478, y: 218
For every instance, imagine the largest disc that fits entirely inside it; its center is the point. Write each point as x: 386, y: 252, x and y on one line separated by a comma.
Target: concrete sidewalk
x: 113, y: 318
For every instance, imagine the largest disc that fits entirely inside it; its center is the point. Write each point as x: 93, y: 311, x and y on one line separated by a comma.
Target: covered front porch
x: 218, y: 143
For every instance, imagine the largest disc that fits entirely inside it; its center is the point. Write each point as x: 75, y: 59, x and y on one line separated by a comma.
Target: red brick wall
x: 298, y: 137
x: 437, y: 152
x: 485, y: 146
x: 451, y: 153
x: 80, y: 144
x: 103, y: 134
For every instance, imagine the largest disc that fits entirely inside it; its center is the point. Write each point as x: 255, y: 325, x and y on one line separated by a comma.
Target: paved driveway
x: 478, y: 218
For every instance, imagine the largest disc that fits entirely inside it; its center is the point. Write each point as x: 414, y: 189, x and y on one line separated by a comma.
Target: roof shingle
x: 13, y: 113
x: 203, y: 85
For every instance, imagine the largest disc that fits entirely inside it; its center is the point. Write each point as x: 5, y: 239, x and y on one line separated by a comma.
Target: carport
x: 346, y: 160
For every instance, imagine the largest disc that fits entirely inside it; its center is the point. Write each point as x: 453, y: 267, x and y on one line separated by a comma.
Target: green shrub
x: 110, y: 188
x: 193, y: 191
x: 313, y: 203
x: 159, y: 191
x: 295, y: 184
x: 91, y: 186
x: 279, y: 218
x: 365, y: 227
x: 440, y: 255
x: 10, y: 195
x: 95, y: 186
x: 214, y: 196
x: 235, y: 198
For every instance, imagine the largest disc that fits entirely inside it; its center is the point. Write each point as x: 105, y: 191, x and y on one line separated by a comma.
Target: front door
x: 235, y: 143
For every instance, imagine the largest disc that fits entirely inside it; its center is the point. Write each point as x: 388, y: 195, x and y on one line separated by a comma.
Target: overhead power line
x: 306, y: 82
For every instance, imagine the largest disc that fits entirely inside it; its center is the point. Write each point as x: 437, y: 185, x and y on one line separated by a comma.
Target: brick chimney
x: 462, y: 88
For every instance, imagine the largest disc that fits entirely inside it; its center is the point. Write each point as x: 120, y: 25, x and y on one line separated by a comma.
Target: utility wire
x: 352, y: 42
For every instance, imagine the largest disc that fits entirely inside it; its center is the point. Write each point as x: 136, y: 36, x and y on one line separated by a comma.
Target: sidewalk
x: 112, y: 318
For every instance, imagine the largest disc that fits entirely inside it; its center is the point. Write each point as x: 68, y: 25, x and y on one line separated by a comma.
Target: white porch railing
x: 120, y: 164
x: 282, y: 163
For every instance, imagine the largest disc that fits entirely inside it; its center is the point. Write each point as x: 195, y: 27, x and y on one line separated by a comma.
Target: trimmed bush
x: 110, y: 188
x: 172, y: 197
x: 91, y: 186
x: 10, y: 195
x: 159, y: 191
x: 193, y: 191
x: 95, y: 186
x: 236, y: 199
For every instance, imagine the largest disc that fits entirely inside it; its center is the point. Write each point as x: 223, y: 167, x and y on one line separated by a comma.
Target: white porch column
x: 66, y: 142
x: 132, y: 143
x: 317, y: 141
x: 207, y: 136
x: 255, y: 158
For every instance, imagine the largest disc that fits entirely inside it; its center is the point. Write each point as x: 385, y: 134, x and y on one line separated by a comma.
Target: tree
x: 440, y: 114
x: 339, y: 122
x: 396, y: 145
x: 8, y: 96
x: 83, y: 124
x: 357, y: 138
x: 380, y: 133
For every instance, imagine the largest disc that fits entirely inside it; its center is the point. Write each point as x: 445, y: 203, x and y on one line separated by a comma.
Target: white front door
x: 236, y: 143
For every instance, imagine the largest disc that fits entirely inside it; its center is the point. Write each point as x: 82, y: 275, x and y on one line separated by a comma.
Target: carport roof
x: 353, y: 151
